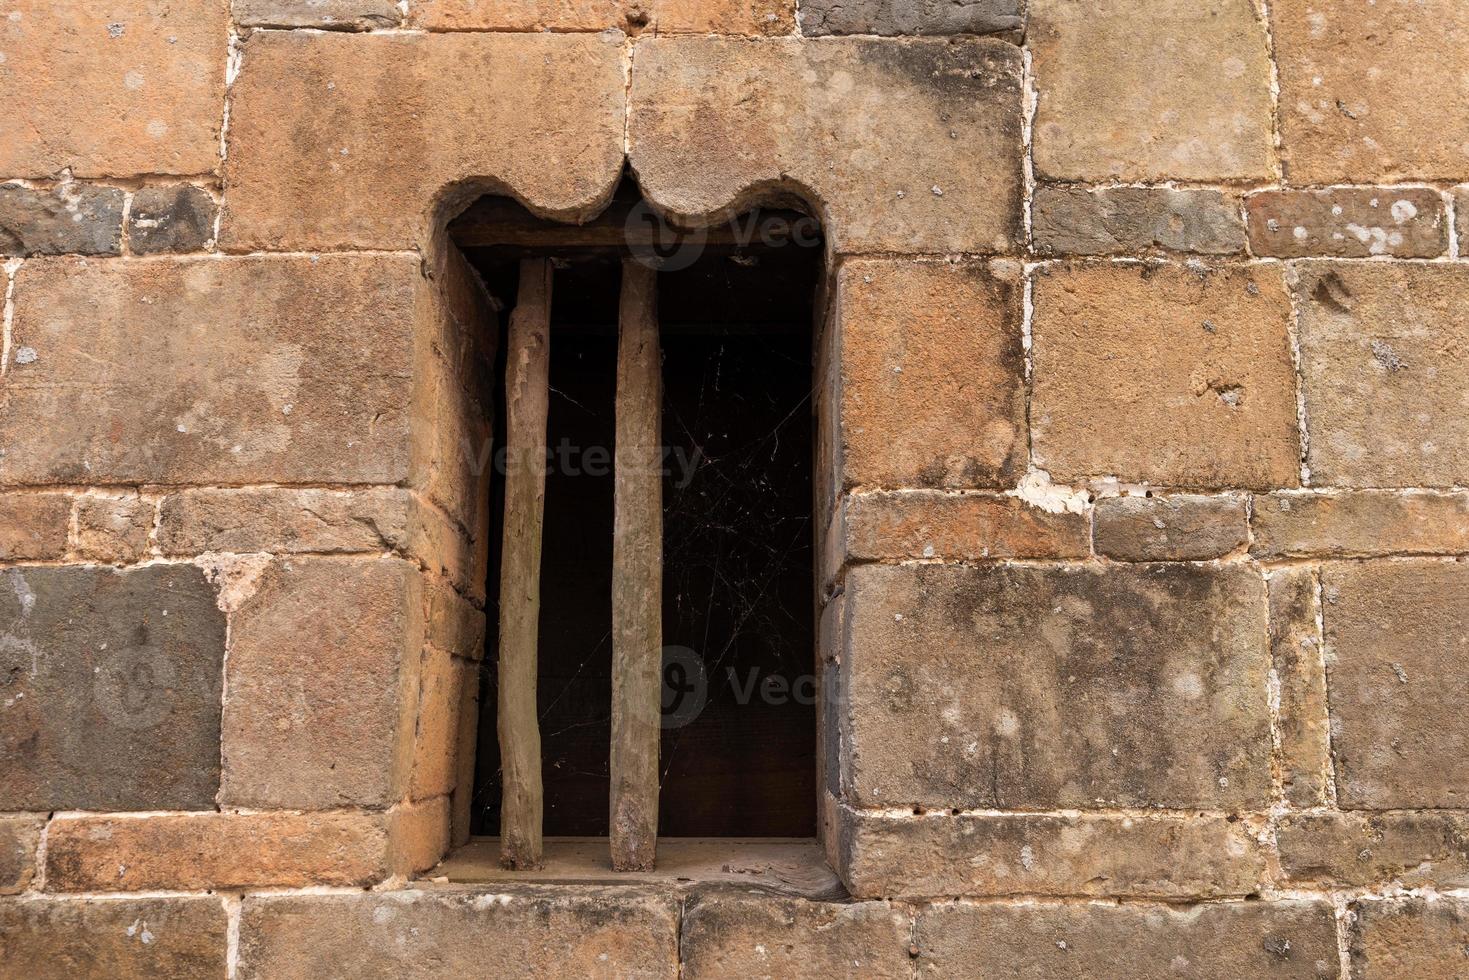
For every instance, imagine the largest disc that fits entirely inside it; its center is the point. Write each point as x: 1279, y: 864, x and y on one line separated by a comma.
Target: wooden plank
x: 637, y: 576
x: 527, y: 376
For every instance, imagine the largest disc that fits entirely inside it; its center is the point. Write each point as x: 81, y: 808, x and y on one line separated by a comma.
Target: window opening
x: 733, y: 312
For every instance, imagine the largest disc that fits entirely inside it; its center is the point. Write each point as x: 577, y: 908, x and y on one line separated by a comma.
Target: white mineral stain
x: 1037, y: 490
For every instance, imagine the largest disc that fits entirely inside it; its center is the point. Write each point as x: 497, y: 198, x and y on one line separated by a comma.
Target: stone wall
x: 1142, y: 404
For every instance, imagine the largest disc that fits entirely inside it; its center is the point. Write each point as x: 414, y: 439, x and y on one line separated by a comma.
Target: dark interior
x: 736, y: 328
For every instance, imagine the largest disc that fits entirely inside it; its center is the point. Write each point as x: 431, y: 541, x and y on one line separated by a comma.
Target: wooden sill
x: 797, y: 867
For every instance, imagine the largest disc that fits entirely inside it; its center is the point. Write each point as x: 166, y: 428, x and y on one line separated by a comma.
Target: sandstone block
x: 718, y: 124
x: 1177, y: 527
x: 283, y: 520
x: 1151, y: 90
x: 454, y: 623
x: 34, y: 526
x: 891, y: 525
x: 437, y: 735
x: 1397, y: 637
x: 113, y: 529
x: 1040, y: 688
x: 932, y: 375
x: 121, y: 939
x: 84, y: 219
x: 298, y: 370
x: 461, y: 803
x: 323, y: 658
x: 1219, y: 941
x: 1166, y: 856
x: 1351, y: 222
x: 890, y: 17
x: 176, y: 218
x: 515, y: 931
x: 1068, y: 220
x: 756, y: 17
x: 1300, y: 672
x: 741, y: 934
x: 1422, y: 938
x: 1360, y: 523
x: 20, y: 835
x: 110, y: 682
x: 1212, y: 404
x: 557, y: 102
x: 1351, y: 850
x: 1353, y: 103
x: 1382, y: 352
x: 214, y: 850
x: 128, y: 87
x: 358, y: 15
x: 1461, y: 213
x: 418, y: 835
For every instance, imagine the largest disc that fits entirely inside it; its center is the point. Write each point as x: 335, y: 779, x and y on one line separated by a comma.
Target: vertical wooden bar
x: 637, y: 576
x: 527, y: 376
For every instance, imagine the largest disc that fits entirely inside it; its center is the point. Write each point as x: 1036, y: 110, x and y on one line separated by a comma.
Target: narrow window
x: 717, y: 403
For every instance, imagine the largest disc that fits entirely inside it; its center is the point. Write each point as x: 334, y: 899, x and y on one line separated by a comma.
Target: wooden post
x: 527, y: 375
x: 637, y: 576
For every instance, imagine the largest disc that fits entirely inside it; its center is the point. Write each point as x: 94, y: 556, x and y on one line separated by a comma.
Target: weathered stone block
x: 113, y: 529
x: 1069, y: 220
x: 358, y: 15
x: 890, y: 17
x: 1397, y: 636
x: 1177, y: 527
x: 1300, y: 674
x: 84, y: 219
x: 437, y: 735
x: 517, y: 931
x: 1349, y: 222
x: 1354, y: 850
x: 719, y: 124
x: 756, y: 17
x: 297, y: 369
x: 461, y: 802
x: 454, y: 623
x: 1212, y: 404
x: 1461, y: 217
x: 932, y: 375
x: 1353, y: 102
x: 1168, y: 856
x: 1382, y: 352
x: 20, y: 835
x: 892, y: 525
x: 110, y: 687
x: 34, y: 526
x: 128, y: 87
x: 322, y: 675
x: 214, y: 850
x: 1040, y: 688
x: 418, y: 835
x: 1151, y: 89
x: 557, y: 102
x: 121, y: 939
x: 176, y: 218
x: 1080, y: 942
x: 283, y: 520
x: 1360, y: 523
x: 1423, y: 938
x: 741, y: 934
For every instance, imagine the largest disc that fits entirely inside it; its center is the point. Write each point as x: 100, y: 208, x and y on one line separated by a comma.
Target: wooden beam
x: 502, y: 227
x: 527, y: 376
x: 637, y: 576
